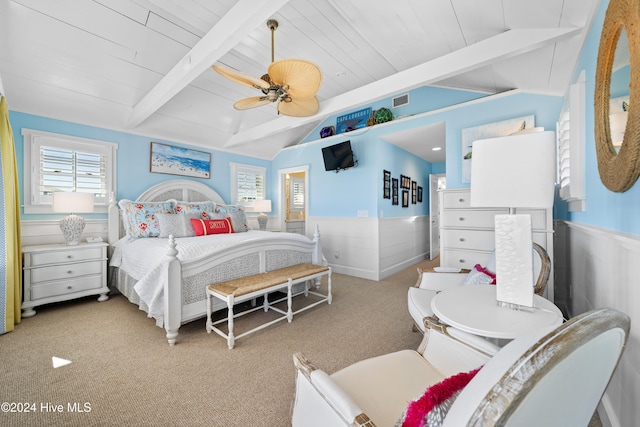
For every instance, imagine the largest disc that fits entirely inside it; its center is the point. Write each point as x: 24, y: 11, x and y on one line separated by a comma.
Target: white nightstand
x: 55, y: 273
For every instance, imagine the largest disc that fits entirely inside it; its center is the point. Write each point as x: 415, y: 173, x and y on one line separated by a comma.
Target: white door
x: 434, y: 214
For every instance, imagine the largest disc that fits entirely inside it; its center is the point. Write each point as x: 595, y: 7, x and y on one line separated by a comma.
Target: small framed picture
x: 414, y: 192
x: 394, y: 191
x: 386, y: 184
x: 405, y: 182
x: 174, y: 160
x: 419, y: 194
x: 405, y: 198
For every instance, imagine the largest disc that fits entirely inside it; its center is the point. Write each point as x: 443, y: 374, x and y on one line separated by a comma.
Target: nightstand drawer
x: 65, y: 256
x: 64, y: 287
x: 56, y: 272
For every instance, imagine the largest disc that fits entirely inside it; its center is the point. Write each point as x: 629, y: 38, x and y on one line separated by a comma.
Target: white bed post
x: 317, y: 257
x: 113, y: 220
x: 172, y: 294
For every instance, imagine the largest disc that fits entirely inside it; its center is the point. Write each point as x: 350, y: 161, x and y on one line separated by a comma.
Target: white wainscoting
x: 44, y: 232
x: 372, y: 248
x: 602, y: 269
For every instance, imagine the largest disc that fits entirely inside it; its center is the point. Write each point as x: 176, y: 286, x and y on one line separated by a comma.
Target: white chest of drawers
x: 54, y: 273
x: 467, y: 234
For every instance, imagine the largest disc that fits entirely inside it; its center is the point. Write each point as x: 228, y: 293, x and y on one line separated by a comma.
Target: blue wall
x: 133, y: 175
x: 604, y: 208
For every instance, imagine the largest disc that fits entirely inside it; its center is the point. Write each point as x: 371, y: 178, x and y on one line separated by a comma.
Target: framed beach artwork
x: 490, y: 130
x: 179, y: 161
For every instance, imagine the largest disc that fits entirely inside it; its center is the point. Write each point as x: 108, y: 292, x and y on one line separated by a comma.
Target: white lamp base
x: 72, y: 227
x: 262, y: 221
x: 514, y: 261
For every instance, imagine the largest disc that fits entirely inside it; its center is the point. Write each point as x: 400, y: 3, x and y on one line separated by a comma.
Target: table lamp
x: 515, y: 171
x: 262, y: 206
x: 72, y: 202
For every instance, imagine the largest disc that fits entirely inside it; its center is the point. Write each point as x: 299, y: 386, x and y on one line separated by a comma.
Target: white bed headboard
x: 178, y: 189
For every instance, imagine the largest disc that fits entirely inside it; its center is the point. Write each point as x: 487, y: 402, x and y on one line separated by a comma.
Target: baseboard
x: 401, y: 266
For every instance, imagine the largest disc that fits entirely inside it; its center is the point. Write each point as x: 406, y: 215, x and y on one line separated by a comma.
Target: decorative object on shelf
x: 353, y: 121
x: 618, y: 168
x: 516, y: 171
x: 386, y: 184
x: 394, y: 191
x: 72, y: 225
x: 179, y: 161
x: 262, y: 206
x: 489, y: 130
x: 327, y: 131
x: 382, y: 115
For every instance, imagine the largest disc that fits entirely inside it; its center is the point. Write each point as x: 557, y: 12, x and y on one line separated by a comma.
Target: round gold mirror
x: 619, y: 165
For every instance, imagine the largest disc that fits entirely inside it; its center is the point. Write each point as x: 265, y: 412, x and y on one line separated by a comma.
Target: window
x: 54, y: 162
x: 296, y: 195
x: 571, y: 141
x: 248, y: 184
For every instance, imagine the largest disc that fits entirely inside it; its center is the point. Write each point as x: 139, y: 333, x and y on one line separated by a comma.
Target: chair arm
x: 321, y: 401
x: 439, y: 281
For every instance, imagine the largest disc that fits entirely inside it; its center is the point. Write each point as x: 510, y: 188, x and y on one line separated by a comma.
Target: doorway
x: 294, y: 199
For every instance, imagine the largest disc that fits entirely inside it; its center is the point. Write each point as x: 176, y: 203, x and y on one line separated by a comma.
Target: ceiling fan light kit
x: 292, y: 83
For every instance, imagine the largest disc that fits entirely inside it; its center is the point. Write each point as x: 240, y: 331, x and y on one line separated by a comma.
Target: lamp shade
x: 72, y: 202
x: 515, y: 171
x: 262, y: 206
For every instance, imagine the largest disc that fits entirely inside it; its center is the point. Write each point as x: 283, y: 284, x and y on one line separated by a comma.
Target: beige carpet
x: 123, y: 368
x: 123, y: 372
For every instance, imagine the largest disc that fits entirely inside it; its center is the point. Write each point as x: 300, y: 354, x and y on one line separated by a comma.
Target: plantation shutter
x: 250, y: 184
x: 64, y: 169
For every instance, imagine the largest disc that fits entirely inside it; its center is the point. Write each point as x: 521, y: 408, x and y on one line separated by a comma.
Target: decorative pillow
x: 176, y: 225
x: 205, y: 210
x: 237, y: 215
x: 480, y: 276
x: 140, y: 217
x: 430, y: 409
x: 205, y: 227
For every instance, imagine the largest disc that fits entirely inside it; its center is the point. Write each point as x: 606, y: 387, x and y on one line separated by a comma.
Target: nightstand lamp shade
x: 262, y: 206
x: 516, y: 171
x: 72, y: 202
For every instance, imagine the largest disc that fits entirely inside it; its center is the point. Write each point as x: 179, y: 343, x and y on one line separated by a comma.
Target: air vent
x: 401, y: 100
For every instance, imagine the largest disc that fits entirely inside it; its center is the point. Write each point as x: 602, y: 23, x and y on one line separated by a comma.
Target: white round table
x: 474, y: 309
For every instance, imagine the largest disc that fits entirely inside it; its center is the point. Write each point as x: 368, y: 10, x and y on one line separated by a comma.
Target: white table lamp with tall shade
x: 72, y: 225
x: 262, y: 206
x: 515, y: 171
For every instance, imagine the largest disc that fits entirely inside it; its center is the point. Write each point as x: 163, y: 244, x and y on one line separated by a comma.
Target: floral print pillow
x: 207, y: 210
x: 140, y: 219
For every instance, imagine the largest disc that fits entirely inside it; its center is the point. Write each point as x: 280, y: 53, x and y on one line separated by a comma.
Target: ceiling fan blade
x: 303, y: 77
x: 241, y: 78
x: 299, y: 107
x: 253, y: 102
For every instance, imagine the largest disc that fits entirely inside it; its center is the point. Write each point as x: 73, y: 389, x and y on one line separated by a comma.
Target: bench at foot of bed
x: 250, y: 287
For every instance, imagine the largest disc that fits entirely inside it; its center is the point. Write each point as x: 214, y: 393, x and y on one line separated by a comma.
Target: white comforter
x: 145, y: 259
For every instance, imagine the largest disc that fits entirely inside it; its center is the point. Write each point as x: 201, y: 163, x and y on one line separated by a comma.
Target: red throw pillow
x: 204, y: 227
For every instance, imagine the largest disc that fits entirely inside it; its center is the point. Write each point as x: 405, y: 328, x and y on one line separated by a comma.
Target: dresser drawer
x: 465, y: 259
x: 469, y: 239
x: 55, y: 272
x: 456, y: 199
x: 65, y: 256
x: 471, y: 218
x: 63, y: 287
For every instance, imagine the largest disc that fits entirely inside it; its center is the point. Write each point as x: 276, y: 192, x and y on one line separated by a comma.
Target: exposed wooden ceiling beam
x: 244, y: 17
x: 508, y: 44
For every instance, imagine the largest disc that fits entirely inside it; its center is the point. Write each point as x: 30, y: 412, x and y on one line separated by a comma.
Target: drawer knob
x: 461, y: 218
x: 69, y: 287
x: 461, y: 200
x: 69, y: 256
x: 462, y: 239
x: 69, y: 272
x: 461, y: 261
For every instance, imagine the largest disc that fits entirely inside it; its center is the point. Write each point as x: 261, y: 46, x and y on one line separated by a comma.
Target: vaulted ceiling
x: 143, y: 66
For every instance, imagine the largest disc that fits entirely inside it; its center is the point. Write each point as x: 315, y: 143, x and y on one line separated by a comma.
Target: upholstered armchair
x: 430, y: 282
x: 553, y: 377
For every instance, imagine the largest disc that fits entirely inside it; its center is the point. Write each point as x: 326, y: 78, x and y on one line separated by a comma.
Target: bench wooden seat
x: 262, y: 284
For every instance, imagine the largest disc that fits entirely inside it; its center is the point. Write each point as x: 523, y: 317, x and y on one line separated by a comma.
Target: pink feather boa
x: 434, y: 396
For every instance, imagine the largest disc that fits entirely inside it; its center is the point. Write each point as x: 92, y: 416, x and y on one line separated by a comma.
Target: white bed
x: 168, y: 281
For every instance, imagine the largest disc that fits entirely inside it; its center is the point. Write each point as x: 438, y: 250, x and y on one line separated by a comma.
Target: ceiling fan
x: 292, y: 83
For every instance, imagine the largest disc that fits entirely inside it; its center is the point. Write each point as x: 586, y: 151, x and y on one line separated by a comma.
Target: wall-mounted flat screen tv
x: 338, y: 156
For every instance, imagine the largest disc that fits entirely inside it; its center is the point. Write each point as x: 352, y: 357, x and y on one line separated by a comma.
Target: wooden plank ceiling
x: 143, y: 66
